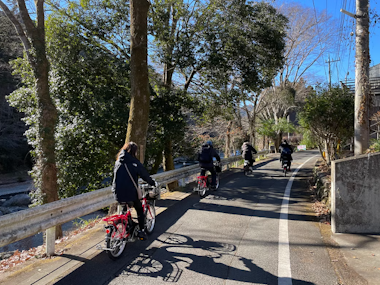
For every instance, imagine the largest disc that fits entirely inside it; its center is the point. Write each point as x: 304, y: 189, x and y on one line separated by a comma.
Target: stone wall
x: 355, y: 194
x: 322, y: 183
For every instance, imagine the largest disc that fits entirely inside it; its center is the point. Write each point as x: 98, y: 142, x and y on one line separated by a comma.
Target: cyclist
x: 205, y: 158
x: 286, y: 152
x: 128, y: 167
x: 247, y: 152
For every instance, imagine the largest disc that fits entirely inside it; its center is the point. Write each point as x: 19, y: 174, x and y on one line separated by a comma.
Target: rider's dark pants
x: 288, y: 157
x: 213, y: 174
x: 140, y: 212
x: 251, y: 161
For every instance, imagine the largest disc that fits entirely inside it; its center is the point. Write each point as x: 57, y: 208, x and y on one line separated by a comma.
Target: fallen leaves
x: 20, y: 257
x: 322, y: 211
x: 319, y: 207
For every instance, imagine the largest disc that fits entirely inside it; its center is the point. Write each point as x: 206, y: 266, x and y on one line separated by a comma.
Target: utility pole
x: 329, y: 61
x: 362, y: 85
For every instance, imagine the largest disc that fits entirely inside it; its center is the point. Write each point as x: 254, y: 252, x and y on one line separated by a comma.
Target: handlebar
x: 151, y: 192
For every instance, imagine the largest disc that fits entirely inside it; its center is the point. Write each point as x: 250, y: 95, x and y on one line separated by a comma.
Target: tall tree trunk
x: 157, y: 163
x: 140, y: 99
x: 47, y: 120
x: 32, y: 35
x: 253, y: 126
x: 227, y: 149
x: 328, y: 151
x: 169, y: 162
x: 277, y: 142
x: 264, y: 138
x: 251, y: 122
x: 320, y: 148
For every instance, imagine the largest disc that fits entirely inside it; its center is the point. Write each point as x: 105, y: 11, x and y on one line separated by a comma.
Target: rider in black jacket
x: 205, y: 158
x: 247, y: 152
x: 286, y: 152
x: 123, y: 188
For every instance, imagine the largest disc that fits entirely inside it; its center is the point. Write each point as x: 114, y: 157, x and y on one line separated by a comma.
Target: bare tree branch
x: 18, y: 27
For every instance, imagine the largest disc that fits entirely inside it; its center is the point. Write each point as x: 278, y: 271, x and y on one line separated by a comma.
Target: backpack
x: 205, y: 155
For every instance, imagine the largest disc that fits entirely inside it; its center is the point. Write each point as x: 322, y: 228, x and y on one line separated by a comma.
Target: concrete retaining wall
x: 355, y: 194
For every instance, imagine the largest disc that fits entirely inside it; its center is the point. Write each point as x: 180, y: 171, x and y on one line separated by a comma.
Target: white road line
x: 284, y: 271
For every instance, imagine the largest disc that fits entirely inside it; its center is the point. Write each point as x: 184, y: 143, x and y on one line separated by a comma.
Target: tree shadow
x: 168, y: 262
x: 168, y: 259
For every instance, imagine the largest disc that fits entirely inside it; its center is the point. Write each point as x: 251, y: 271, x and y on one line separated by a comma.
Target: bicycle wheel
x: 285, y: 170
x: 202, y: 191
x: 115, y: 241
x: 246, y: 170
x: 217, y: 181
x: 150, y: 217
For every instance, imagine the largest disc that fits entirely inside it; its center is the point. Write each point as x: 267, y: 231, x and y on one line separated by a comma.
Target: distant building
x: 374, y: 77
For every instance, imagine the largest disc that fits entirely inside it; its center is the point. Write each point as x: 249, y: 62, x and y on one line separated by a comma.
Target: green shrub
x: 375, y: 146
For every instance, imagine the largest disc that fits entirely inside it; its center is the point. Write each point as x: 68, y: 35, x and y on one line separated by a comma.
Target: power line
x: 345, y: 30
x: 340, y: 33
x: 319, y: 36
x: 329, y: 61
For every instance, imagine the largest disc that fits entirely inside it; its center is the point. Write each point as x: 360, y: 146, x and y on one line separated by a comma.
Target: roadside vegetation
x: 219, y: 70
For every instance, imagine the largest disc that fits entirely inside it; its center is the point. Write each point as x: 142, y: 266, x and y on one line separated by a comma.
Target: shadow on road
x: 166, y: 261
x: 164, y: 255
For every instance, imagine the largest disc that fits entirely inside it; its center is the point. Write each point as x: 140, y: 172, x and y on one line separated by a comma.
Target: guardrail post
x: 50, y: 241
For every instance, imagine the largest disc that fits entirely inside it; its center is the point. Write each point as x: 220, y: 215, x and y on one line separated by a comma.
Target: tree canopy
x: 329, y: 115
x: 213, y: 54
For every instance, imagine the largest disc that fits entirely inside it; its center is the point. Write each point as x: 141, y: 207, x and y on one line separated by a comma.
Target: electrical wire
x: 319, y: 36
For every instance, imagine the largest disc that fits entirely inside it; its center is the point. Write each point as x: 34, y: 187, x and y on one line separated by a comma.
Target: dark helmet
x: 209, y: 143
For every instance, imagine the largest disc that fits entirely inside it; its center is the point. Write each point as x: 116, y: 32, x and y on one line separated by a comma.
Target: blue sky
x: 346, y: 52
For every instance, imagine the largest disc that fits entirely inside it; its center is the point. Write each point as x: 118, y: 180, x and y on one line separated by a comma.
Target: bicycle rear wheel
x: 150, y: 216
x: 202, y: 191
x: 217, y: 181
x: 115, y: 240
x: 246, y: 170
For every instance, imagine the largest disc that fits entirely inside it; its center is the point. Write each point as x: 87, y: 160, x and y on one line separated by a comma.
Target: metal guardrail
x: 22, y: 224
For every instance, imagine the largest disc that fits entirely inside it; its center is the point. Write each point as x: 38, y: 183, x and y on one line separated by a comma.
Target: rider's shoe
x: 141, y: 235
x: 213, y: 187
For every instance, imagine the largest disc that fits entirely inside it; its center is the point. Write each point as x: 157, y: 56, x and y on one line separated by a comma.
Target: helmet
x: 209, y: 143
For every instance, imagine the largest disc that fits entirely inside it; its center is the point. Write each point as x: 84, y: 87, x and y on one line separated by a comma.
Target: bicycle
x: 204, y: 182
x: 121, y: 228
x: 247, y: 168
x: 285, y: 165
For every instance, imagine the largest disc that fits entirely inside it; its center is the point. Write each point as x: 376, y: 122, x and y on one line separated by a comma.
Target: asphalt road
x: 256, y: 230
x: 16, y: 188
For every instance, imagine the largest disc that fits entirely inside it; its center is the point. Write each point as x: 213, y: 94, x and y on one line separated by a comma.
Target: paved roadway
x: 256, y: 230
x: 16, y: 188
